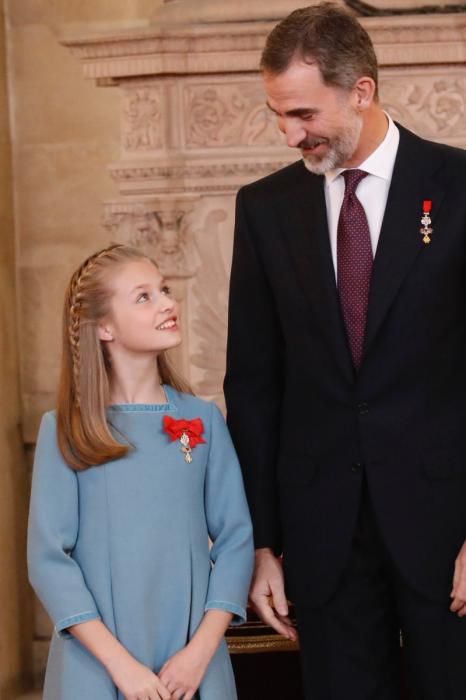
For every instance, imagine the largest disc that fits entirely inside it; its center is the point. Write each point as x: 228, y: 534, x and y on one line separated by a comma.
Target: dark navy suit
x: 316, y: 439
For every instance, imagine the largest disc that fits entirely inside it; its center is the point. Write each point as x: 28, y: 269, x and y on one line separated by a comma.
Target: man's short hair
x: 326, y: 35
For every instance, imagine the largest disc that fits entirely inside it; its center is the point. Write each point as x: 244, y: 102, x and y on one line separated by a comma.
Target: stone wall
x: 15, y: 617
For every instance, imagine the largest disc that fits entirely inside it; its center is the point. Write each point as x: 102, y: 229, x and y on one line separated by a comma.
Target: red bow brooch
x: 188, y: 432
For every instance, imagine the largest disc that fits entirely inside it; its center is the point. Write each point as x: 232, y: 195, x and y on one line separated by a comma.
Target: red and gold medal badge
x: 426, y: 221
x: 188, y: 432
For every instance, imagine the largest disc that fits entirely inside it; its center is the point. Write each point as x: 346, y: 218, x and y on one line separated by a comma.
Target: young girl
x: 131, y: 477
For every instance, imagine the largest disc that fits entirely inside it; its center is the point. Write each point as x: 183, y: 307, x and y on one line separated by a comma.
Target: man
x: 346, y: 376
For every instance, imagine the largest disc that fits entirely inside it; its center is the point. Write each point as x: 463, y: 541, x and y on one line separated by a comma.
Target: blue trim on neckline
x: 161, y: 407
x: 155, y: 407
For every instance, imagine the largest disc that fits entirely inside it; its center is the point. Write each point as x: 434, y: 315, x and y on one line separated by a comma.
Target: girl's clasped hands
x: 179, y: 678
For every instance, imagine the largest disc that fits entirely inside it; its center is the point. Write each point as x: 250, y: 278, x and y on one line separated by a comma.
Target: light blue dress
x: 127, y: 542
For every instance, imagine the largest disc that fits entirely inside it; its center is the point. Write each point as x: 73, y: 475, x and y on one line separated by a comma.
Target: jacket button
x: 363, y: 408
x: 357, y: 467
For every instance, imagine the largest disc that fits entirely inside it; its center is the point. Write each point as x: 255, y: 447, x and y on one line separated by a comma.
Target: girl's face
x: 143, y: 317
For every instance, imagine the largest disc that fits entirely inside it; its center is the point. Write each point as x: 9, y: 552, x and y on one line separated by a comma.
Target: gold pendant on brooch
x: 186, y: 448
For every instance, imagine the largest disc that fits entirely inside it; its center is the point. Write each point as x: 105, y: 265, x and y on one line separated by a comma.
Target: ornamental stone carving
x: 160, y: 229
x: 228, y: 114
x: 142, y: 119
x: 222, y: 174
x: 432, y: 105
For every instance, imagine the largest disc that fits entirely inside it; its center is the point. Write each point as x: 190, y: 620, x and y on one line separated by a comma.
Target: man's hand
x: 267, y: 594
x: 458, y: 593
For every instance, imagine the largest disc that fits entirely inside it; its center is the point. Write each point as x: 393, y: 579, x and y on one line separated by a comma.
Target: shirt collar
x: 381, y: 161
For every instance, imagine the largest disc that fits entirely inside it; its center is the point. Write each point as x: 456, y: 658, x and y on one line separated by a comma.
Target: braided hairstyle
x: 76, y: 305
x: 84, y: 435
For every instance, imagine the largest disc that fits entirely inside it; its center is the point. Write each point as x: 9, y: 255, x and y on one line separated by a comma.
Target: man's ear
x: 364, y: 90
x: 105, y: 333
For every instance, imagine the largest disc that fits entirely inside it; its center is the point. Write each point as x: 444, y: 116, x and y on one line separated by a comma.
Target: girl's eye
x: 142, y: 297
x: 165, y: 289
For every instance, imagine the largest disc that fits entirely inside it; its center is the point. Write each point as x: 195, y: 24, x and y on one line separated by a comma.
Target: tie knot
x: 352, y: 180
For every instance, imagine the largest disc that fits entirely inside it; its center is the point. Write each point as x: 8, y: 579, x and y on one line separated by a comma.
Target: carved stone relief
x: 221, y: 175
x: 142, y: 127
x: 432, y: 105
x: 232, y: 114
x: 159, y: 228
x: 228, y: 114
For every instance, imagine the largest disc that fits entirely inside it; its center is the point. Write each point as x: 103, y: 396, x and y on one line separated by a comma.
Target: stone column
x: 15, y: 616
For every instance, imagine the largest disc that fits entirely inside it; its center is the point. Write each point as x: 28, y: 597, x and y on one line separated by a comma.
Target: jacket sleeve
x: 253, y: 382
x: 229, y: 525
x: 52, y: 532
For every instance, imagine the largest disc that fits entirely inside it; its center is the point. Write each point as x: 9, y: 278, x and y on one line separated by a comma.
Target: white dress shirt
x: 372, y: 191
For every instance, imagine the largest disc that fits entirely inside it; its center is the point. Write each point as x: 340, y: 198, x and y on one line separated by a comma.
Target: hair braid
x: 75, y: 311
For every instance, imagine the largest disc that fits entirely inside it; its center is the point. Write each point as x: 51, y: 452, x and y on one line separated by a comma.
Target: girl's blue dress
x: 127, y: 542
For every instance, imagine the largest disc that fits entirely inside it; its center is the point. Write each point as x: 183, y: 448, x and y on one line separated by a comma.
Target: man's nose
x: 294, y: 133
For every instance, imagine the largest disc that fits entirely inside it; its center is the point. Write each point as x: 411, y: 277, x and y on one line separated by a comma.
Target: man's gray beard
x: 341, y: 150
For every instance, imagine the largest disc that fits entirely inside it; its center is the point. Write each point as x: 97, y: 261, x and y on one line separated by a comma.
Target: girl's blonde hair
x: 84, y: 435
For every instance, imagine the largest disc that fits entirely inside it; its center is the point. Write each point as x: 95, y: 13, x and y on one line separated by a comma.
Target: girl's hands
x: 134, y: 680
x: 183, y: 672
x: 138, y: 682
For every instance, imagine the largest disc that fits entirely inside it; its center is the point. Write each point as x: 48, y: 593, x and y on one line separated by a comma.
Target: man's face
x: 321, y: 120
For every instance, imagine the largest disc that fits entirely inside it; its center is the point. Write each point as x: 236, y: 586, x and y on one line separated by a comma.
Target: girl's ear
x: 105, y: 333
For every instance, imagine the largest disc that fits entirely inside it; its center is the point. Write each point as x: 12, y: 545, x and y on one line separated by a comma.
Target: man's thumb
x: 280, y: 603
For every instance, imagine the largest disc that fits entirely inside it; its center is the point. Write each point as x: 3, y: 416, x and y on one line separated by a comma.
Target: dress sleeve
x: 52, y: 532
x: 229, y: 523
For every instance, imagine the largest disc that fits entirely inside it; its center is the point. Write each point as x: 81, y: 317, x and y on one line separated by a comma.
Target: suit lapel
x: 304, y: 227
x: 305, y: 230
x: 400, y: 242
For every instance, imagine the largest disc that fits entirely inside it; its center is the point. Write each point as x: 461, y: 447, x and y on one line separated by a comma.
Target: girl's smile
x: 168, y: 325
x: 140, y: 304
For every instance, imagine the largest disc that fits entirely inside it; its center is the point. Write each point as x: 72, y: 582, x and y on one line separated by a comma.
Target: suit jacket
x: 304, y: 423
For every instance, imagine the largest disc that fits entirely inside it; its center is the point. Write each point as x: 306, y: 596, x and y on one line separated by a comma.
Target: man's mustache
x: 311, y: 143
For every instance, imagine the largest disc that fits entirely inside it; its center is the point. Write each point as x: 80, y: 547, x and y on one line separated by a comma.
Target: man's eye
x: 142, y: 297
x: 165, y: 289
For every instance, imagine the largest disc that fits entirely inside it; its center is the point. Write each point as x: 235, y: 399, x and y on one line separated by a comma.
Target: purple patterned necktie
x: 354, y: 264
